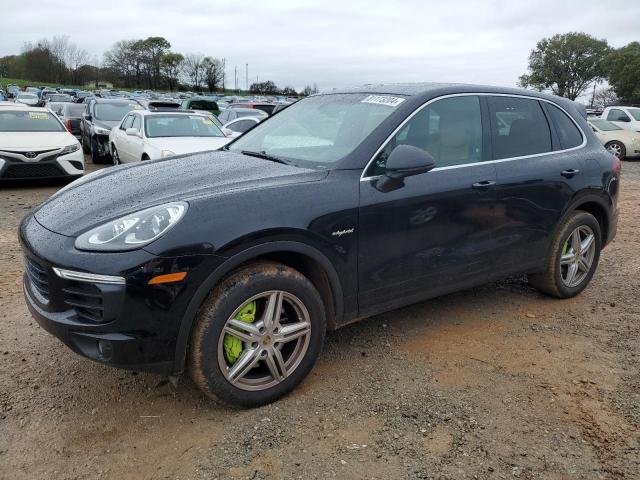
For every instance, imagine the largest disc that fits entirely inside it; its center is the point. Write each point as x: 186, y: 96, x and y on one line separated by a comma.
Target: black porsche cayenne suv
x: 232, y: 264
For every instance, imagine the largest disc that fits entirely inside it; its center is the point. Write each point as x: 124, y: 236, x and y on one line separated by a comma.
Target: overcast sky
x: 332, y: 43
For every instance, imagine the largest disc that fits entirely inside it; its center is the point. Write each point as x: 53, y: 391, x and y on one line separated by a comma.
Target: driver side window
x: 450, y: 130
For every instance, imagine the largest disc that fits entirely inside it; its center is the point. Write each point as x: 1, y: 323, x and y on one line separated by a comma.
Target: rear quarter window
x: 568, y: 133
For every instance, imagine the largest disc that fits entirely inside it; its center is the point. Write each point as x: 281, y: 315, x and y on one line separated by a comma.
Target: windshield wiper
x: 265, y: 156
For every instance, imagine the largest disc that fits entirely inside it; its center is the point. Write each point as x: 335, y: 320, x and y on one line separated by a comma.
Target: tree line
x: 571, y: 64
x: 133, y: 64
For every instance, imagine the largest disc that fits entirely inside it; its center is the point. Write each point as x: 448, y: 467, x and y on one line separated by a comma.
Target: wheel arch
x: 300, y: 256
x: 596, y: 206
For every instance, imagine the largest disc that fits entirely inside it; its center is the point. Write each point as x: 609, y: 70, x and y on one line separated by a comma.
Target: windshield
x: 20, y: 121
x: 604, y: 125
x: 181, y: 126
x: 114, y: 112
x: 319, y: 130
x: 27, y: 96
x: 635, y: 113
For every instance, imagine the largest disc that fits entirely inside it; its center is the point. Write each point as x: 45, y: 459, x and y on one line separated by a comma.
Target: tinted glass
x: 616, y: 115
x: 518, y: 127
x: 449, y: 129
x: 319, y: 129
x: 16, y: 121
x: 635, y: 113
x: 181, y: 126
x: 127, y: 122
x: 242, y: 125
x: 114, y: 111
x: 604, y: 125
x: 568, y: 132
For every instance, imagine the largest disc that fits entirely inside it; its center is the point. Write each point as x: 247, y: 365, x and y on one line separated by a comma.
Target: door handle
x: 572, y: 172
x: 483, y: 185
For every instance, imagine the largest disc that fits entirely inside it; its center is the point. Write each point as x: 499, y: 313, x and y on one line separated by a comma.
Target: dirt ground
x: 494, y: 382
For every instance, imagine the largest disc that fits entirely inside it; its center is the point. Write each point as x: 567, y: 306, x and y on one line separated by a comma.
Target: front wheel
x: 114, y: 156
x: 257, y: 335
x: 573, y: 258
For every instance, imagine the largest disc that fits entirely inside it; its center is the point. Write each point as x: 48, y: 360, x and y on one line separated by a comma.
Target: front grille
x: 35, y: 152
x: 32, y: 170
x: 38, y: 278
x: 86, y: 299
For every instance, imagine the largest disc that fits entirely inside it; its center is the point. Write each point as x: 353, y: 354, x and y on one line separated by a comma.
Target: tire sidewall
x: 578, y: 220
x: 213, y: 317
x: 623, y: 149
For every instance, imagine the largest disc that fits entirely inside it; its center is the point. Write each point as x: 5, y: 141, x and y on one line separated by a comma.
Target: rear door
x: 435, y: 232
x: 538, y: 175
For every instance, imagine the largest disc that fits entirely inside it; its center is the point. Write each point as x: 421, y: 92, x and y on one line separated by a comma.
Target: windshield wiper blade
x: 264, y: 155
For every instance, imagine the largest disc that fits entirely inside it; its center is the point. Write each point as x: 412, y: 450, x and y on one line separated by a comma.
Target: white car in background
x: 30, y: 99
x: 622, y: 143
x: 147, y: 135
x: 35, y: 144
x: 237, y: 127
x: 624, y: 117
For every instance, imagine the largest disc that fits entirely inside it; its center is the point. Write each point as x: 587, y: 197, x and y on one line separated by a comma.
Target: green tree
x: 171, y: 67
x: 213, y: 72
x: 567, y: 64
x: 624, y: 72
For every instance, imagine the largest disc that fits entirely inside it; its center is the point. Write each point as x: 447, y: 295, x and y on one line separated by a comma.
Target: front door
x: 434, y: 233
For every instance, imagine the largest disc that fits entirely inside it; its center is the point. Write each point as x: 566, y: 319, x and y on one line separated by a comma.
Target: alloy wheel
x: 615, y: 148
x: 273, y: 345
x: 577, y: 256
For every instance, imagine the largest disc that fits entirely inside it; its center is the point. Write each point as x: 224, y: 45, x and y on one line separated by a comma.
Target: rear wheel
x: 573, y: 258
x: 257, y: 335
x: 617, y: 148
x: 85, y: 146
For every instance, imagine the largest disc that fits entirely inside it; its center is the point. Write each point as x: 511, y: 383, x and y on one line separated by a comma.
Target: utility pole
x: 224, y: 72
x: 593, y: 97
x: 235, y: 83
x: 246, y: 72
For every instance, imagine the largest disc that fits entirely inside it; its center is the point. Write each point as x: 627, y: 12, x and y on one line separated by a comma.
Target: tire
x: 556, y: 280
x: 85, y: 147
x: 302, y: 313
x: 144, y: 157
x: 617, y: 148
x: 114, y: 156
x: 95, y: 156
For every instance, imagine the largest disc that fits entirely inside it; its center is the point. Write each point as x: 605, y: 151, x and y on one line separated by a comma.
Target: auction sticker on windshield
x: 39, y: 115
x: 388, y: 100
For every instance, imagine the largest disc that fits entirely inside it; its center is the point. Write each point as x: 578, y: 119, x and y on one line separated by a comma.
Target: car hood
x: 181, y: 145
x: 28, y: 141
x: 117, y: 191
x: 106, y: 124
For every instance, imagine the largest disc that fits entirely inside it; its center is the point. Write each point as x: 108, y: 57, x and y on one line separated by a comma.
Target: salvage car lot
x: 497, y: 381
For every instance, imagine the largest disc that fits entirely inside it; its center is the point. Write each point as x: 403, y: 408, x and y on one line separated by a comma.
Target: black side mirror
x: 404, y: 161
x: 86, y: 116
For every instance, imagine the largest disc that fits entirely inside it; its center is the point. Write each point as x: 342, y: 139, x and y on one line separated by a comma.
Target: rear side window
x: 242, y: 125
x: 568, y: 133
x: 518, y: 127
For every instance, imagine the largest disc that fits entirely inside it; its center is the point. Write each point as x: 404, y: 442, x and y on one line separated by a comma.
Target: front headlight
x: 166, y: 153
x: 101, y: 131
x: 70, y: 149
x: 134, y: 230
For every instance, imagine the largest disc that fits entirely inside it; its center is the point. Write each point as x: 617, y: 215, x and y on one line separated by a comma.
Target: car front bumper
x: 54, y: 166
x: 132, y: 325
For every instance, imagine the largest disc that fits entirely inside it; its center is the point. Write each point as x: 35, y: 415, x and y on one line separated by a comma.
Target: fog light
x: 105, y: 350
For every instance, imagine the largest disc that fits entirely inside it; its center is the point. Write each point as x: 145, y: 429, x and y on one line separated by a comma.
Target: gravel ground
x: 493, y: 382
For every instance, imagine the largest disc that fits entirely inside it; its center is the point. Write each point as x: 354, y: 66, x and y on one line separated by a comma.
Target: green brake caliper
x: 233, y: 346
